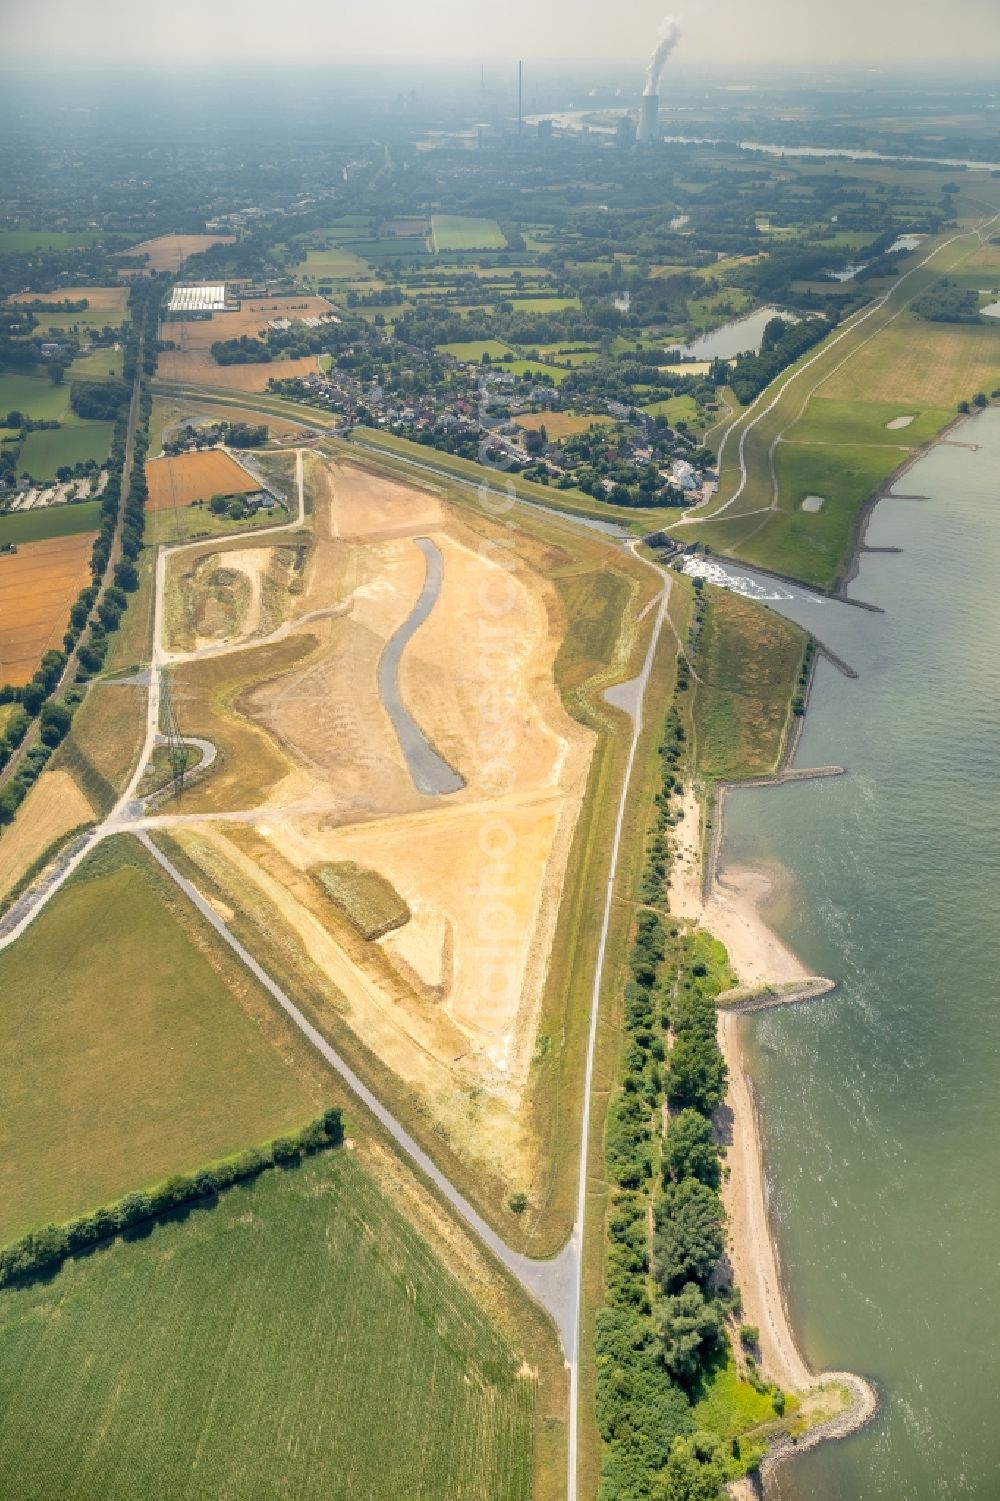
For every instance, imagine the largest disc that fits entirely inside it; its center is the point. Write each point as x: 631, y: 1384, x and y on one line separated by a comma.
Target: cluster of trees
x: 781, y: 346
x: 45, y: 1249
x: 99, y: 400
x: 236, y: 434
x: 947, y: 302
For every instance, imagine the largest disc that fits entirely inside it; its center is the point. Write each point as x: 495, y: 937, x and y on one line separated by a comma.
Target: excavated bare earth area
x: 312, y: 779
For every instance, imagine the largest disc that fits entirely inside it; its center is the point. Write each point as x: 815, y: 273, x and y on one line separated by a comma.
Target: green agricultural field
x: 22, y: 241
x: 57, y: 321
x: 558, y: 373
x: 334, y: 264
x: 675, y: 409
x: 53, y: 521
x: 47, y: 450
x: 101, y: 364
x: 476, y: 348
x: 117, y: 1072
x: 545, y: 304
x: 459, y: 232
x: 297, y: 1339
x: 35, y: 398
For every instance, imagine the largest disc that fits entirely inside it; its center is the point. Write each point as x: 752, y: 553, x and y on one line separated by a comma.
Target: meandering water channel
x: 880, y: 1104
x: 430, y: 771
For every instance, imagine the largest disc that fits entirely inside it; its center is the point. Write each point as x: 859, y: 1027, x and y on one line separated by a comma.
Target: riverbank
x: 727, y: 901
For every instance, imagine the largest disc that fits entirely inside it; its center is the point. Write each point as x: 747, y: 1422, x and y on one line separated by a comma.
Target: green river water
x: 880, y: 1105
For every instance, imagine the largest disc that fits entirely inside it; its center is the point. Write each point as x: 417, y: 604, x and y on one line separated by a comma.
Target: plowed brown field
x: 38, y: 584
x: 195, y: 476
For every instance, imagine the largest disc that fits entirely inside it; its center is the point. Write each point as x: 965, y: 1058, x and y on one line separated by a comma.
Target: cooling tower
x: 647, y: 118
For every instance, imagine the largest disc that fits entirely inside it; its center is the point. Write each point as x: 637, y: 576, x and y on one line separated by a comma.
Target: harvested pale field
x: 562, y: 424
x: 481, y: 870
x: 38, y: 584
x: 101, y: 299
x: 197, y: 368
x: 191, y: 362
x: 195, y: 476
x: 169, y: 252
x: 53, y: 807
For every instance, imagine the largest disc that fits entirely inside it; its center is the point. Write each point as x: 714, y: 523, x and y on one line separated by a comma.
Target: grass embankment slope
x: 821, y: 429
x: 746, y: 661
x: 194, y: 1363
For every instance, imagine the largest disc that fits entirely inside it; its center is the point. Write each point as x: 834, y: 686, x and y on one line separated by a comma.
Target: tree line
x: 662, y: 1331
x: 103, y: 621
x: 43, y: 1250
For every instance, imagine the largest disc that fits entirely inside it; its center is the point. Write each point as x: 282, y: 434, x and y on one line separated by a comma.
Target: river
x: 879, y: 1104
x: 576, y: 119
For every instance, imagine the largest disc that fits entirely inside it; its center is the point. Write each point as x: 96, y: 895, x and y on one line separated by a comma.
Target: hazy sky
x: 868, y: 31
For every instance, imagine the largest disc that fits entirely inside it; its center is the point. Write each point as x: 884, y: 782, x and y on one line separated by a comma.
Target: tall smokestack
x: 520, y: 97
x: 648, y: 112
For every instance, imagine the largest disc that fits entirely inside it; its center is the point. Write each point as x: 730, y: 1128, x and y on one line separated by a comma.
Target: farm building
x: 199, y: 301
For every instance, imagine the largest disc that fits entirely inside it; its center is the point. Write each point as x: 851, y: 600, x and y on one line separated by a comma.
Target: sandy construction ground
x: 458, y: 988
x: 38, y: 584
x: 195, y: 476
x: 53, y: 807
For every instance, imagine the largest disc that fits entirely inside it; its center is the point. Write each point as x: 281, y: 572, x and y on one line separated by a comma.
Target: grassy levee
x: 794, y: 447
x: 611, y: 1040
x: 573, y: 502
x: 114, y: 1064
x: 256, y: 1379
x: 104, y: 742
x: 246, y: 401
x: 746, y: 663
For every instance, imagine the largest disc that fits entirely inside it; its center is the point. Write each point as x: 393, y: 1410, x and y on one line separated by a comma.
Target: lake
x: 732, y: 338
x: 879, y: 1104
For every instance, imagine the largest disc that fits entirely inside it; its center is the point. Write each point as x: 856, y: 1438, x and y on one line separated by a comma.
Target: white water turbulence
x: 749, y: 585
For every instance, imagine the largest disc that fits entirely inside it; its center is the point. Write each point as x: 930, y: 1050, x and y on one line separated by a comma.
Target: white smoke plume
x: 669, y: 36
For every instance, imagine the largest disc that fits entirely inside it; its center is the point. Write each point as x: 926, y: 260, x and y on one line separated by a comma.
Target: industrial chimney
x: 648, y: 112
